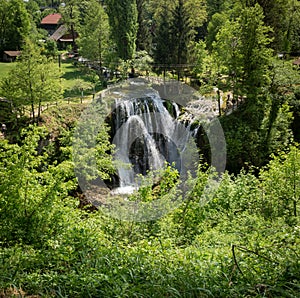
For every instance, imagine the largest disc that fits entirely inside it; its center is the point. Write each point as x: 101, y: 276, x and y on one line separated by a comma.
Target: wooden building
x: 10, y: 56
x: 51, y: 22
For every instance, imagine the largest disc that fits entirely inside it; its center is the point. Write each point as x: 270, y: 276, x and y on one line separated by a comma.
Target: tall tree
x: 162, y: 49
x: 14, y: 24
x: 213, y: 7
x: 34, y: 11
x: 175, y: 32
x: 278, y: 14
x: 124, y: 26
x: 33, y: 80
x: 181, y: 32
x: 242, y: 49
x: 186, y: 17
x: 294, y: 26
x: 94, y: 42
x: 215, y: 24
x: 143, y: 40
x: 70, y: 15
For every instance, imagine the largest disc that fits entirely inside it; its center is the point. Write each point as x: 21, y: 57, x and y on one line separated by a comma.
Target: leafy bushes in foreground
x: 244, y: 242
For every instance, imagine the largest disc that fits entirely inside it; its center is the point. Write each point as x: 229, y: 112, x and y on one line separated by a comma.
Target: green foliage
x: 294, y: 34
x: 123, y: 21
x: 199, y: 55
x: 279, y: 15
x: 238, y: 238
x: 50, y: 49
x: 241, y: 48
x: 252, y: 135
x: 181, y: 33
x: 217, y: 21
x: 94, y: 43
x: 142, y: 62
x: 144, y: 38
x: 15, y: 25
x: 157, y: 185
x: 34, y: 79
x: 162, y: 52
x: 281, y: 179
x: 242, y: 240
x: 176, y: 31
x: 267, y: 124
x: 30, y: 194
x: 214, y: 6
x: 242, y: 63
x: 92, y: 151
x: 70, y: 16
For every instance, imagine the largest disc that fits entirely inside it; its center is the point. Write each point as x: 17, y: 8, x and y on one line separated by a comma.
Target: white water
x: 147, y: 136
x: 145, y: 119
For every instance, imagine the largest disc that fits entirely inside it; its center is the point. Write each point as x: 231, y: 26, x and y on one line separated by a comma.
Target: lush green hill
x: 242, y: 242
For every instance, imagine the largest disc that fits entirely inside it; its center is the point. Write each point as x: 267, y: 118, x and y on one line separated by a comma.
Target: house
x: 10, y: 56
x: 51, y: 22
x: 57, y: 31
x: 63, y: 37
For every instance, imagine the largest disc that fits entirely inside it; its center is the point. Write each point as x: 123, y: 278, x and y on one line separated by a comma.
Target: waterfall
x: 150, y: 126
x: 146, y: 136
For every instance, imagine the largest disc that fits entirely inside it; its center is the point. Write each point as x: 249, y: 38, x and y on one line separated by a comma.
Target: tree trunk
x: 32, y: 112
x: 73, y: 38
x: 39, y: 112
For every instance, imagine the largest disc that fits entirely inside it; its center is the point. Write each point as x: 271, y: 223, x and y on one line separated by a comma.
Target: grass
x: 5, y: 67
x: 75, y: 78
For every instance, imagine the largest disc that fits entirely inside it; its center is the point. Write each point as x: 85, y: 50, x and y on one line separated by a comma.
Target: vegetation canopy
x: 241, y: 240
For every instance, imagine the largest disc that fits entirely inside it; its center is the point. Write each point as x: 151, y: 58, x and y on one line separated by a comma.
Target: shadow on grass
x: 73, y: 72
x: 77, y: 93
x: 76, y: 76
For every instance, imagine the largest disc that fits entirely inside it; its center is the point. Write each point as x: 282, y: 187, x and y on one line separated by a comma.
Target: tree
x: 277, y: 15
x: 34, y: 11
x: 144, y: 39
x: 49, y: 48
x: 142, y: 61
x: 92, y: 150
x: 94, y: 42
x: 283, y: 81
x: 33, y: 80
x: 70, y: 16
x: 176, y: 30
x: 124, y: 26
x: 32, y: 200
x: 293, y: 32
x: 158, y: 7
x: 197, y: 11
x: 217, y: 21
x: 162, y: 50
x: 213, y: 7
x: 14, y: 24
x: 242, y: 49
x: 181, y: 32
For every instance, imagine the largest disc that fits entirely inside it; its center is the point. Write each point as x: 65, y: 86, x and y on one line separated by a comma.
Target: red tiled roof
x: 52, y: 19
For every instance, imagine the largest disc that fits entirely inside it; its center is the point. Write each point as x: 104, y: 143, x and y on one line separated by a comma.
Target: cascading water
x: 144, y: 134
x: 147, y: 132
